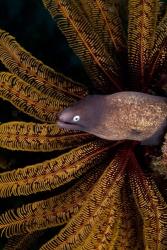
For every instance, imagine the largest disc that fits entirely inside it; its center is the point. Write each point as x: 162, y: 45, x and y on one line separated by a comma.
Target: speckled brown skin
x: 123, y: 115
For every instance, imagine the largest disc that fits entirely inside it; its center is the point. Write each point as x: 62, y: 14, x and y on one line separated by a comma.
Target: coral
x: 159, y: 163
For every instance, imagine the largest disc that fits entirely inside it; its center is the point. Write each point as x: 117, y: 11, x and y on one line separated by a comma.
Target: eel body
x: 123, y: 115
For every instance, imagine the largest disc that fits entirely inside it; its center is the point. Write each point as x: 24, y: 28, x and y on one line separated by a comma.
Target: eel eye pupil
x: 76, y: 118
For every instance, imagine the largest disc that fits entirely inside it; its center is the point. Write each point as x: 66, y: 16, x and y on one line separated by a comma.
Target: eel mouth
x: 68, y: 125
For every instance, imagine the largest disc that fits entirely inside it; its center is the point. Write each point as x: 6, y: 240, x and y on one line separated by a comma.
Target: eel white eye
x: 76, y: 118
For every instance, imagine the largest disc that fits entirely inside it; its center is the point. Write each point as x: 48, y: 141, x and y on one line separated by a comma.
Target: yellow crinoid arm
x: 30, y: 100
x: 50, y: 212
x: 104, y: 17
x: 158, y: 57
x: 85, y: 229
x: 152, y: 207
x: 86, y: 43
x: 125, y: 231
x: 141, y: 29
x: 55, y: 172
x: 28, y: 136
x: 34, y: 72
x: 117, y: 224
x: 23, y: 241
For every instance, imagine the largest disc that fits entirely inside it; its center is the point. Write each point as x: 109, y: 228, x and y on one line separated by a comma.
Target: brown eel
x: 123, y: 115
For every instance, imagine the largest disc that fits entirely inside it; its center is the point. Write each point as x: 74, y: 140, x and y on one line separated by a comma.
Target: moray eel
x: 120, y: 116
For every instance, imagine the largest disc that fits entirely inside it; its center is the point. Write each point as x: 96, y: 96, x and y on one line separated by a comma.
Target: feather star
x: 100, y: 191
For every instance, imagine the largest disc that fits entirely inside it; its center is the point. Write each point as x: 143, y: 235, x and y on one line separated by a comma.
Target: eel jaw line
x: 67, y: 125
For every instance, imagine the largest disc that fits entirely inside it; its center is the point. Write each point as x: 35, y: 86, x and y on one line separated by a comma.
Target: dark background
x: 35, y: 30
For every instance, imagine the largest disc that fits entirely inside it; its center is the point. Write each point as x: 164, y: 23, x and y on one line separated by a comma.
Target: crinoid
x: 108, y: 198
